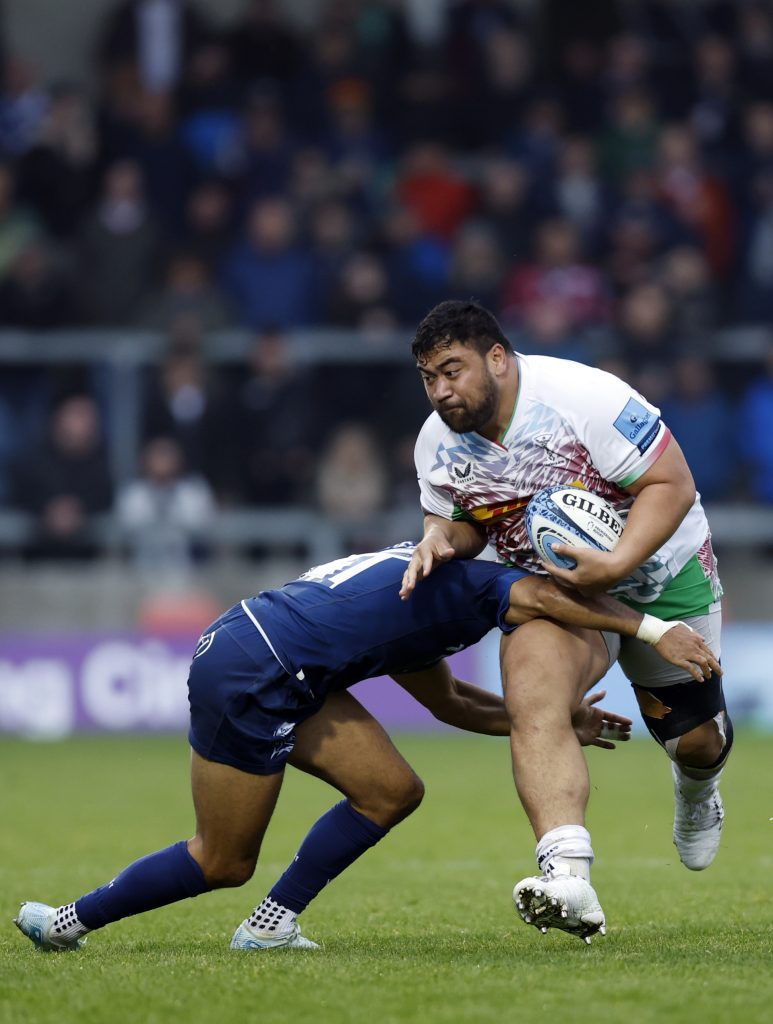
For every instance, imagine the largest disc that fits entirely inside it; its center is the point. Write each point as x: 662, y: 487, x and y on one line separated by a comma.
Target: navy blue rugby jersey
x: 344, y: 621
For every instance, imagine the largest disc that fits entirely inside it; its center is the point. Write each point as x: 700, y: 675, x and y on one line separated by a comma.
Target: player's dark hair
x: 455, y: 320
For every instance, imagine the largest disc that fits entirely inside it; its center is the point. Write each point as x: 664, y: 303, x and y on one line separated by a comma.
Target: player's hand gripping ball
x: 572, y: 516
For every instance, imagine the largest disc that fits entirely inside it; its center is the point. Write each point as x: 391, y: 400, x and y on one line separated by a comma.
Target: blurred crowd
x: 599, y: 174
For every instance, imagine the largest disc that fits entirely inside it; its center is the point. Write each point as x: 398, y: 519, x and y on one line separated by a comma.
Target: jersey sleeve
x: 436, y: 500
x: 623, y: 432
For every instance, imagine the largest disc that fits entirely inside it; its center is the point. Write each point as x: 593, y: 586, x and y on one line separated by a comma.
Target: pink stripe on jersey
x: 650, y: 460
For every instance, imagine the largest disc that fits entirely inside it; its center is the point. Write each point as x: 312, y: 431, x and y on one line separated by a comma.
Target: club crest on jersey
x: 550, y: 457
x: 204, y: 643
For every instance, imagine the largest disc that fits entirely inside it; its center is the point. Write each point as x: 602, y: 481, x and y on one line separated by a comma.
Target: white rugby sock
x: 67, y: 924
x: 699, y: 784
x: 272, y: 918
x: 565, y: 850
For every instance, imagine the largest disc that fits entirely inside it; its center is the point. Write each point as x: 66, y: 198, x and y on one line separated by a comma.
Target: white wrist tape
x: 651, y: 630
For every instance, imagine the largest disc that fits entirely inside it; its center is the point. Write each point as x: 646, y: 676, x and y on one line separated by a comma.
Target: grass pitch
x: 422, y: 929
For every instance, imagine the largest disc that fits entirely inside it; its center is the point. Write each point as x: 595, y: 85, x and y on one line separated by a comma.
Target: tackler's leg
x: 346, y: 747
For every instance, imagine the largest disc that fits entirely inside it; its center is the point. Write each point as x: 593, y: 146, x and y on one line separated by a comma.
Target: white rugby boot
x: 697, y: 823
x: 247, y: 937
x: 36, y: 921
x: 566, y: 902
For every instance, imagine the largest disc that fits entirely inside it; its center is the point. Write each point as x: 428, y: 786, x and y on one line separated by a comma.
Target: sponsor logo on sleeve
x: 638, y: 424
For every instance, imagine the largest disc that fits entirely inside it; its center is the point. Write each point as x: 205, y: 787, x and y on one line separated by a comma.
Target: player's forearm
x: 455, y: 702
x: 539, y: 598
x: 663, y: 497
x: 655, y: 516
x: 467, y: 539
x: 475, y: 710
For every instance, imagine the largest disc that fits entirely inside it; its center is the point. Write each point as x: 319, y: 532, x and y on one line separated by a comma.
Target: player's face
x: 461, y: 387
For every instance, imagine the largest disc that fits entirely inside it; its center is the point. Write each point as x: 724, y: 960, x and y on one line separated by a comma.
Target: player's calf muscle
x: 222, y: 870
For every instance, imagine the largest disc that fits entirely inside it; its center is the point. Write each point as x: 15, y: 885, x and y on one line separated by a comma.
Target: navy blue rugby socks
x: 163, y: 877
x: 331, y: 845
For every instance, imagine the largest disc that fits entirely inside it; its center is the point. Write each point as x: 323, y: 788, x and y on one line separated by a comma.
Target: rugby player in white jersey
x: 505, y: 426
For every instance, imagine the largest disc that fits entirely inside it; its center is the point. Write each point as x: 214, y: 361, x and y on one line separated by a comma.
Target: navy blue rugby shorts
x: 244, y: 706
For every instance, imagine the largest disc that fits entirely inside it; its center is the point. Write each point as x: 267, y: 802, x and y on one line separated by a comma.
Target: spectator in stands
x: 18, y: 225
x: 715, y: 103
x: 578, y: 192
x: 494, y: 81
x: 579, y: 84
x: 685, y: 275
x: 64, y: 480
x: 641, y: 229
x: 701, y: 420
x: 506, y: 203
x: 332, y: 236
x: 151, y: 139
x: 151, y: 38
x: 265, y: 147
x: 477, y: 265
x: 276, y: 414
x: 351, y: 485
x: 557, y: 272
x: 755, y: 437
x: 699, y: 201
x: 755, y: 49
x: 209, y: 103
x: 268, y: 274
x: 208, y: 229
x: 119, y: 249
x: 629, y: 141
x: 264, y: 45
x: 417, y: 262
x: 353, y: 140
x: 184, y: 401
x: 536, y: 140
x: 428, y: 184
x: 35, y: 294
x: 23, y: 105
x: 645, y: 327
x: 57, y: 174
x: 626, y: 67
x: 361, y: 295
x: 165, y: 513
x: 188, y: 294
x: 547, y: 331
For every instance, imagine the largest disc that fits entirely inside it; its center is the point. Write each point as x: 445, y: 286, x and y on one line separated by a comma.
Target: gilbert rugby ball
x: 572, y: 516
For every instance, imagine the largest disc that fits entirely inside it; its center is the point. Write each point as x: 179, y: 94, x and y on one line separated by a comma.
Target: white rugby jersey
x: 572, y: 424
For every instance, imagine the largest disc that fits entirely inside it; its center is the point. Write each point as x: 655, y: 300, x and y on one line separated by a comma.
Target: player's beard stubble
x: 473, y: 413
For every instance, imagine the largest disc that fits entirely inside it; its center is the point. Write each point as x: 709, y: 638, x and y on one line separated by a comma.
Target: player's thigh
x: 546, y: 664
x: 233, y: 809
x: 344, y: 745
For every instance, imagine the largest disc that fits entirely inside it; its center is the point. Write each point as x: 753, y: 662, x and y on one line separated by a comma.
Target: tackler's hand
x: 597, y: 727
x: 432, y: 551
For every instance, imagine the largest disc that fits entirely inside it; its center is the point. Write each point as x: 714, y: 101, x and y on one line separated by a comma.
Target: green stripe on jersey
x: 460, y: 513
x: 688, y: 593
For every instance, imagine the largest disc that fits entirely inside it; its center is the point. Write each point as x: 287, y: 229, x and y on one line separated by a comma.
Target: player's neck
x: 499, y: 424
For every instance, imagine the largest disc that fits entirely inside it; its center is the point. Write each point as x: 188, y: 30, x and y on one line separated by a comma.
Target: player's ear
x: 496, y: 357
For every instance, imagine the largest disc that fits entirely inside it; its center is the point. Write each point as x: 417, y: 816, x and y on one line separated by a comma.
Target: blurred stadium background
x: 219, y: 223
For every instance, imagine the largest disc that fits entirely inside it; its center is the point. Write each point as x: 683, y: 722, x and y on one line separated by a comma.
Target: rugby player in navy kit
x: 267, y: 686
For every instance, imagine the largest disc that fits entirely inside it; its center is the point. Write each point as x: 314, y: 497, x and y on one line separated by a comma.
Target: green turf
x: 421, y: 930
